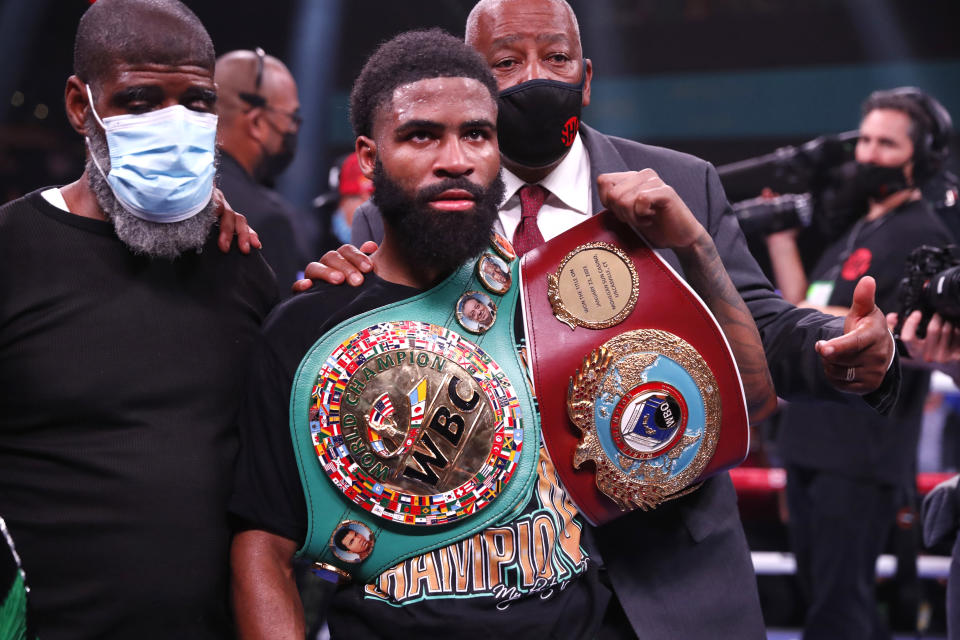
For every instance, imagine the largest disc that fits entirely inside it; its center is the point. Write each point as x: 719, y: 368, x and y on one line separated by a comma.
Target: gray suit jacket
x: 684, y: 569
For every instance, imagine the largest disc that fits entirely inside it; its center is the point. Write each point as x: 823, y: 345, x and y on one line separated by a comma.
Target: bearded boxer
x: 424, y: 109
x: 693, y: 549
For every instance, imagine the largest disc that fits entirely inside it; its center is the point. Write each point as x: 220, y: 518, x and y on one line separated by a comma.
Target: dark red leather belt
x: 649, y: 401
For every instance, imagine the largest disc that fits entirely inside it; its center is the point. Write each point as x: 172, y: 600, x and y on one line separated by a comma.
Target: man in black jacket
x: 259, y: 120
x: 683, y: 570
x: 840, y: 455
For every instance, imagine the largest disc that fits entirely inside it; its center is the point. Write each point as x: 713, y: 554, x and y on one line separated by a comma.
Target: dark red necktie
x: 528, y: 236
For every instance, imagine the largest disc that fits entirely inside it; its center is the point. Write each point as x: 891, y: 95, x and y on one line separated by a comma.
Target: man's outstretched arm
x: 808, y: 352
x: 804, y: 350
x: 704, y: 272
x: 266, y: 603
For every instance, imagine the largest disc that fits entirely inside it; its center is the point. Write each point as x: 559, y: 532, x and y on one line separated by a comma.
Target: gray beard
x: 153, y: 239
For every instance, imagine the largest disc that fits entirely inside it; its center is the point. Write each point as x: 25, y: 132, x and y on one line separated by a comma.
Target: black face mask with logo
x: 538, y: 120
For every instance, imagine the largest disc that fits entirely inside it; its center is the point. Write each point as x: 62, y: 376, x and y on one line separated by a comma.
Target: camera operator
x: 848, y: 469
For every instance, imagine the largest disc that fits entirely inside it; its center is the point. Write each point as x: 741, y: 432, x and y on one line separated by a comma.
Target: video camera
x: 769, y: 215
x: 930, y: 283
x: 822, y: 168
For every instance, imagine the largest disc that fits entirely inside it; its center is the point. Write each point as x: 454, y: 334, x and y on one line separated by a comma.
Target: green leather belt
x: 413, y: 426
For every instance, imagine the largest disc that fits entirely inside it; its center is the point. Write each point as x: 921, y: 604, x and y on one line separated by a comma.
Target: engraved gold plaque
x: 596, y: 286
x: 648, y: 410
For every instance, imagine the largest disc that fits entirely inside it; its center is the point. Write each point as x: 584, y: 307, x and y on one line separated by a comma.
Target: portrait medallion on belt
x: 596, y: 286
x: 476, y: 312
x: 648, y: 410
x: 493, y: 273
x: 415, y: 424
x: 502, y: 246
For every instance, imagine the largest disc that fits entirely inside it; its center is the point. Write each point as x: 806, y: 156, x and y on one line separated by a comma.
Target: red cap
x: 352, y: 182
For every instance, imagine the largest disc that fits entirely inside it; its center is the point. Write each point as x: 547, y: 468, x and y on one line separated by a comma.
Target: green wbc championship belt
x: 412, y: 424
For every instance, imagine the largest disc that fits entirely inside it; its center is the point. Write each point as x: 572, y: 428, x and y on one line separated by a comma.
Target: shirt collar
x: 569, y: 181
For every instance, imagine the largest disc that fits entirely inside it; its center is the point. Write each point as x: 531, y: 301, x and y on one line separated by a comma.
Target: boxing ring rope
x: 755, y: 485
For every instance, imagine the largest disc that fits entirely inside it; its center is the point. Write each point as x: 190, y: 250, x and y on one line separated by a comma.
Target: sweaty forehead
x: 452, y: 100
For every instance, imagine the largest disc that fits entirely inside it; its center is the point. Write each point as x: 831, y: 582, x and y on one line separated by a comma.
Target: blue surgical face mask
x: 161, y: 162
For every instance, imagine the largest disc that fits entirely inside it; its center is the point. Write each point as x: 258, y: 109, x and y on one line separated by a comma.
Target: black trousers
x: 838, y: 528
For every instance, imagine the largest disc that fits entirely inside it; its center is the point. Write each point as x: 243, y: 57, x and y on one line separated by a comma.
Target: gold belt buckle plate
x: 415, y: 424
x: 648, y: 410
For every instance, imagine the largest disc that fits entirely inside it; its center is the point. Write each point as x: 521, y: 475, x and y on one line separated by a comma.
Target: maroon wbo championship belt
x: 640, y: 398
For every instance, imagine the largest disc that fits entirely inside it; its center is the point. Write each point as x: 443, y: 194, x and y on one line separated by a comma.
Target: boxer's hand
x: 942, y: 344
x: 857, y: 361
x: 233, y: 223
x: 346, y: 264
x: 642, y: 200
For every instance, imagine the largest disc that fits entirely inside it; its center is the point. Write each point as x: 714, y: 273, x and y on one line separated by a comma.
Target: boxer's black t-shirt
x: 532, y: 577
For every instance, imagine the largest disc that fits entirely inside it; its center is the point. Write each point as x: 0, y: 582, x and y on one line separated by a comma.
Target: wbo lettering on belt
x: 639, y: 395
x: 411, y: 434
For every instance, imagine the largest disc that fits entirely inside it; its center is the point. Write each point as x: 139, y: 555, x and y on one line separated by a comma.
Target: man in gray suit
x: 683, y: 570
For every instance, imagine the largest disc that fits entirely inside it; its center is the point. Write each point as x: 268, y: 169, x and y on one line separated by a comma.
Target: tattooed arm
x: 705, y: 273
x: 653, y: 209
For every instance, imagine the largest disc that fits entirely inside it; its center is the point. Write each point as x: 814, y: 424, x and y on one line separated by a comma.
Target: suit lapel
x: 604, y: 158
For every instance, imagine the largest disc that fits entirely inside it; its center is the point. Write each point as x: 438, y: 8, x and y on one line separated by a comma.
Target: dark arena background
x: 726, y: 80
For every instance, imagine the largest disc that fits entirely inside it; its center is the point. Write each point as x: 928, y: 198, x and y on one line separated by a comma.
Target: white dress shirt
x: 568, y: 203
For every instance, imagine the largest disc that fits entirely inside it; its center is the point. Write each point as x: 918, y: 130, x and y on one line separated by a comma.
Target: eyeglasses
x: 257, y: 101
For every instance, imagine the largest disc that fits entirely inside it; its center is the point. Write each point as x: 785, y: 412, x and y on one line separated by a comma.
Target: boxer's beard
x: 154, y: 239
x: 442, y: 239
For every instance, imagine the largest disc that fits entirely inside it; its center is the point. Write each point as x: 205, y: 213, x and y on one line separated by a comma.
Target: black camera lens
x: 942, y: 293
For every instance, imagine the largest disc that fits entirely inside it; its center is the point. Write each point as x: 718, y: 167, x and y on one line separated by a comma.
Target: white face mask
x: 161, y: 162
